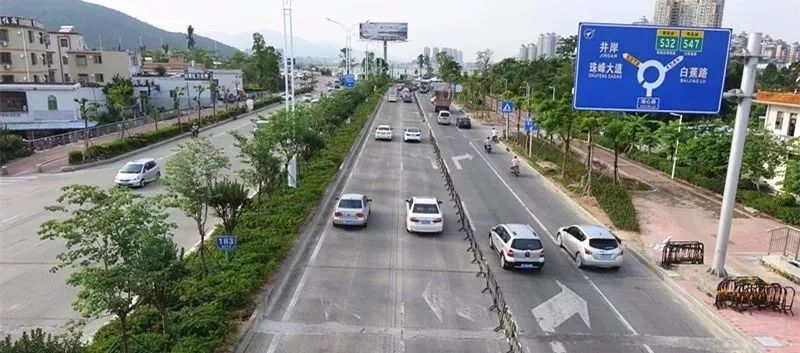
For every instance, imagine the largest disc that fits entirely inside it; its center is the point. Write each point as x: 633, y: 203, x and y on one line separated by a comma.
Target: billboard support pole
x: 745, y: 98
x: 384, y: 53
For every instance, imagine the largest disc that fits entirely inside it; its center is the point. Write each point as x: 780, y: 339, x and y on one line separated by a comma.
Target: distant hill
x: 302, y: 47
x: 94, y: 21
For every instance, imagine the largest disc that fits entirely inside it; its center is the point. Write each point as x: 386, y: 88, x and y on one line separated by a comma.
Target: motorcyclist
x: 195, y: 130
x: 494, y: 135
x: 487, y: 144
x: 515, y: 163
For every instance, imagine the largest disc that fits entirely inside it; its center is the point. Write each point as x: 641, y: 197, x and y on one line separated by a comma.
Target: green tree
x: 265, y: 172
x: 428, y: 66
x: 87, y: 111
x: 198, y: 99
x: 449, y: 69
x: 368, y: 62
x: 38, y: 341
x: 228, y: 199
x: 791, y: 179
x: 614, y: 130
x: 483, y: 58
x: 763, y: 154
x: 421, y: 63
x: 265, y: 65
x: 567, y: 46
x: 559, y: 118
x: 119, y: 98
x: 103, y: 232
x: 213, y: 91
x: 668, y: 134
x: 176, y: 94
x: 590, y: 123
x: 190, y: 173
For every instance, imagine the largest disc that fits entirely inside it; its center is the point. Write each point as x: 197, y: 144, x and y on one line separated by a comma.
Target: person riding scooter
x: 515, y: 166
x: 494, y: 135
x: 487, y: 145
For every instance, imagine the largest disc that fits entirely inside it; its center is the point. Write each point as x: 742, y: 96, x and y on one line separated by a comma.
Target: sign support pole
x: 745, y: 97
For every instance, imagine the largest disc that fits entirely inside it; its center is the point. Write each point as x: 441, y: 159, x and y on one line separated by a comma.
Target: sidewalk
x: 679, y: 211
x: 54, y: 158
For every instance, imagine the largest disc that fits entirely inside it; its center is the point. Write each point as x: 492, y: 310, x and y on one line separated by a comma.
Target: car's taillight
x: 337, y: 214
x: 414, y: 219
x: 510, y: 253
x: 587, y: 251
x: 359, y: 215
x: 437, y: 220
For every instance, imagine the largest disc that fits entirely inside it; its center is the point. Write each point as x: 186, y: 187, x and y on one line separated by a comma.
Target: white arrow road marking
x: 435, y: 301
x: 462, y: 157
x: 433, y: 163
x: 560, y: 308
x: 557, y: 347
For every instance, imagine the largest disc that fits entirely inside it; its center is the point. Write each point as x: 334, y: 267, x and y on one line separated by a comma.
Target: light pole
x: 554, y: 92
x: 347, y: 43
x: 677, y: 141
x: 288, y: 6
x: 286, y: 13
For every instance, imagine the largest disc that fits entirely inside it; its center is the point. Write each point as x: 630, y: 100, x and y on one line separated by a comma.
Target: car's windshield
x: 526, y: 244
x: 353, y: 204
x: 603, y: 244
x: 425, y: 208
x: 132, y: 168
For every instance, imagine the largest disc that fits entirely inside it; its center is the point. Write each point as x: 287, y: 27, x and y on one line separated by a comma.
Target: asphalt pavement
x: 31, y: 296
x: 561, y: 308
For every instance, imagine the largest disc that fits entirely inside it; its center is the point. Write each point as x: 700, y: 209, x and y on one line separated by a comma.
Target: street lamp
x: 677, y: 141
x: 554, y: 91
x: 346, y: 41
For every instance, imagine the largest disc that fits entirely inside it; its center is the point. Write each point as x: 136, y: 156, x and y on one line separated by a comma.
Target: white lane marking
x: 435, y: 301
x: 9, y: 219
x: 456, y: 159
x: 557, y: 347
x: 469, y: 218
x: 401, y: 165
x: 559, y: 308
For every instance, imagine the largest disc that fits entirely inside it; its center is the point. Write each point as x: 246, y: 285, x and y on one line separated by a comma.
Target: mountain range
x: 302, y: 47
x: 96, y: 22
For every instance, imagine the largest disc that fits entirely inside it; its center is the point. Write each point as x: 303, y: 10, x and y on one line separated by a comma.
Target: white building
x: 41, y: 109
x: 523, y: 53
x: 547, y: 45
x: 693, y: 13
x: 532, y: 53
x: 783, y: 115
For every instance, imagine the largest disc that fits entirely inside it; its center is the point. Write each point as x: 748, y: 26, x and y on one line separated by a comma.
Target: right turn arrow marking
x: 560, y: 308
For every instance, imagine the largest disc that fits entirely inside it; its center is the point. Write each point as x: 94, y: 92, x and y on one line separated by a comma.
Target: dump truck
x: 442, y: 97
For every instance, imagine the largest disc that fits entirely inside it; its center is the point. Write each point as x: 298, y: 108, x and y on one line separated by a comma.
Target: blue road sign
x: 650, y: 68
x: 528, y: 124
x: 226, y: 242
x: 349, y: 80
x: 507, y: 107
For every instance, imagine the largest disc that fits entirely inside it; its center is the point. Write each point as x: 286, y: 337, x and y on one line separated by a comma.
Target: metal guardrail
x: 785, y: 241
x: 507, y: 323
x: 748, y: 293
x: 677, y: 252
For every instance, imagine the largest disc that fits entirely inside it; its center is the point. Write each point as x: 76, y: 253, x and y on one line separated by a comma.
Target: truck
x: 442, y: 97
x: 424, y: 86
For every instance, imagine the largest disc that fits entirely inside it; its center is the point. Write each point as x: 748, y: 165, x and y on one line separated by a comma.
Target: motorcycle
x: 494, y: 139
x: 487, y: 147
x: 195, y: 133
x: 515, y: 170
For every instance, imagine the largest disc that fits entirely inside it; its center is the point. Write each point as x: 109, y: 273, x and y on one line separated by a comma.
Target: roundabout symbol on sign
x: 643, y: 66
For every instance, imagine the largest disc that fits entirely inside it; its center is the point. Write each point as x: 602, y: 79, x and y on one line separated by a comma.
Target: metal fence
x: 682, y: 252
x: 507, y: 323
x: 749, y: 293
x: 785, y: 241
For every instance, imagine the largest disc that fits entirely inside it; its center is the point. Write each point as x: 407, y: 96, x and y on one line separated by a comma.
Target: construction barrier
x: 753, y: 293
x: 682, y: 252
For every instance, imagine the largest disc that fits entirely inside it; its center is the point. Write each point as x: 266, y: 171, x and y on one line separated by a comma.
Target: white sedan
x: 412, y: 134
x: 383, y: 132
x: 423, y: 215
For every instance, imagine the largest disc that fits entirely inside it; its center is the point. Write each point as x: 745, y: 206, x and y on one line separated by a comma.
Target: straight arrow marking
x: 560, y: 308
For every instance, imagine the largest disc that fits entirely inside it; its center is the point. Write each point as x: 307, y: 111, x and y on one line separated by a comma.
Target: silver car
x: 591, y: 245
x: 518, y: 246
x: 138, y: 173
x: 352, y: 210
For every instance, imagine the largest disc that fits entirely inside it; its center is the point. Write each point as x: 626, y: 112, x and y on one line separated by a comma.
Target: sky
x: 468, y: 25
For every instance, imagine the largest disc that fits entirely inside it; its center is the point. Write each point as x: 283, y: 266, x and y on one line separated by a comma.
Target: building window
x: 4, y: 35
x: 49, y: 58
x: 83, y: 78
x: 13, y: 101
x: 5, y: 58
x: 98, y: 59
x: 98, y: 78
x: 52, y: 103
x: 80, y: 60
x: 792, y: 124
x: 65, y: 60
x: 34, y: 59
x: 66, y: 78
x: 778, y: 120
x: 8, y: 78
x: 64, y: 42
x: 36, y: 78
x: 30, y: 36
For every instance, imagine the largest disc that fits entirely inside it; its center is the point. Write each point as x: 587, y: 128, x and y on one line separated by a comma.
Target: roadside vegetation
x: 162, y: 299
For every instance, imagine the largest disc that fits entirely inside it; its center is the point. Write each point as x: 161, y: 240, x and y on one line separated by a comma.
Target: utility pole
x: 677, y: 142
x: 286, y: 3
x: 745, y: 98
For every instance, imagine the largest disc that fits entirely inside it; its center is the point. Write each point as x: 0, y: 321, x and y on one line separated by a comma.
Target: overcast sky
x: 468, y: 25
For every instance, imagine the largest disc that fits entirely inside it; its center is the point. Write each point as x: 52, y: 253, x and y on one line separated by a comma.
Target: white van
x: 444, y: 117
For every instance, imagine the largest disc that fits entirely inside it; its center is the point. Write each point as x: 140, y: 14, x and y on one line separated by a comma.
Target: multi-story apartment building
x: 695, y: 13
x: 547, y: 45
x: 78, y: 63
x: 24, y: 47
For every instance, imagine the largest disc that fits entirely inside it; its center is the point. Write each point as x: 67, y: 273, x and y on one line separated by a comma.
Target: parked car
x: 443, y: 118
x: 591, y: 245
x: 423, y: 215
x: 285, y: 97
x: 518, y: 246
x: 138, y: 173
x: 392, y: 98
x: 464, y: 122
x: 383, y: 132
x: 412, y: 134
x: 352, y: 210
x: 307, y: 97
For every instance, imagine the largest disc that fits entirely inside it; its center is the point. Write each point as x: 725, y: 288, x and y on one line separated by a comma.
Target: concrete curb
x: 717, y: 323
x: 72, y: 168
x: 308, y: 233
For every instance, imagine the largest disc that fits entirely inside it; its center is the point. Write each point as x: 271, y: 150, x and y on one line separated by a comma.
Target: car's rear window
x: 425, y: 208
x: 603, y: 244
x: 412, y: 130
x: 349, y: 203
x: 444, y: 114
x: 384, y: 128
x: 526, y: 244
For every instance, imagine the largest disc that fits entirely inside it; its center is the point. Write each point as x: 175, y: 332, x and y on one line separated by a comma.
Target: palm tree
x: 87, y: 112
x: 200, y: 89
x: 420, y: 62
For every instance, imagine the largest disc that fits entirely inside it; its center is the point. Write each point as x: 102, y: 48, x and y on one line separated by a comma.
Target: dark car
x: 464, y: 123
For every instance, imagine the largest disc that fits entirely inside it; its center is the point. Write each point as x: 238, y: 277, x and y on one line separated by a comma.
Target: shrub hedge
x: 12, y: 147
x: 212, y: 307
x: 614, y: 199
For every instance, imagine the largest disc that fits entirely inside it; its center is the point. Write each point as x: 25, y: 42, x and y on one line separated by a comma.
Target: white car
x: 443, y: 118
x: 392, y: 98
x: 138, y: 173
x: 412, y: 134
x: 423, y: 215
x: 518, y: 246
x: 383, y: 132
x: 307, y: 97
x: 352, y: 210
x: 286, y: 97
x: 591, y: 245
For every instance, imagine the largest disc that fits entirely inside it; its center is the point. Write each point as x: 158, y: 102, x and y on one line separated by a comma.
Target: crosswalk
x: 5, y: 181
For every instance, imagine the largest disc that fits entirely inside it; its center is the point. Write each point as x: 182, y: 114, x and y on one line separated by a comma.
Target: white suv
x: 591, y: 245
x: 138, y: 173
x: 443, y: 118
x: 423, y: 215
x: 518, y: 245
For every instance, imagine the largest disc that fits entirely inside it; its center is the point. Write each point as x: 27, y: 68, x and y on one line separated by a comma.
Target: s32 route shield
x: 650, y: 68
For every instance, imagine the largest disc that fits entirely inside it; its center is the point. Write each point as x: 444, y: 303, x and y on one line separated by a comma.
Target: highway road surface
x: 380, y: 289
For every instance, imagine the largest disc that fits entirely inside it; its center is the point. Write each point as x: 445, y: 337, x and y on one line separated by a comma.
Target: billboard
x: 390, y: 31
